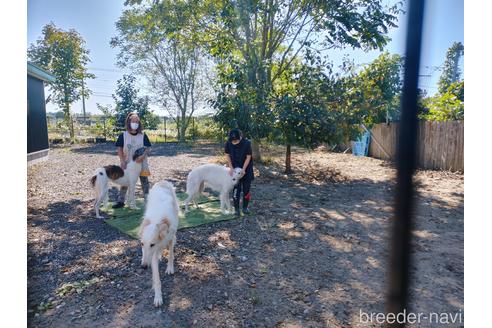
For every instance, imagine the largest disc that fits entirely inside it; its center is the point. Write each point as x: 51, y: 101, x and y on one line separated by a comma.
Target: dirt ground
x: 313, y: 252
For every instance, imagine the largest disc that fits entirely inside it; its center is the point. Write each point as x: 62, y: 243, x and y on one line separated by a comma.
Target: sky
x: 95, y: 21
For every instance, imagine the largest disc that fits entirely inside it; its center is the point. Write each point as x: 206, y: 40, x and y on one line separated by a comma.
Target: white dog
x: 216, y: 177
x: 158, y: 231
x: 117, y: 175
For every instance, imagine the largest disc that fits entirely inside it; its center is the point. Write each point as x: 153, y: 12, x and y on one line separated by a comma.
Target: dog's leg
x: 170, y: 257
x: 156, y: 281
x: 96, y: 208
x: 190, y: 198
x: 106, y: 198
x: 131, y: 196
x: 99, y: 198
x: 223, y: 203
x: 227, y: 198
x: 194, y: 200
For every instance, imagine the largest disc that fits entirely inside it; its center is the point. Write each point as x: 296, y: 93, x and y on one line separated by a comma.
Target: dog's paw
x: 157, y: 300
x: 170, y: 270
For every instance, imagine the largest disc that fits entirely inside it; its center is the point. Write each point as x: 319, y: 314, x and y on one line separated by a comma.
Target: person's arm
x: 148, y: 148
x: 121, y: 155
x: 246, y: 162
x: 229, y: 160
x: 119, y: 149
x: 249, y: 153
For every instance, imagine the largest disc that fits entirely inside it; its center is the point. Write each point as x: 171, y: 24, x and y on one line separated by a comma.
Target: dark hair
x: 127, y: 122
x: 235, y: 134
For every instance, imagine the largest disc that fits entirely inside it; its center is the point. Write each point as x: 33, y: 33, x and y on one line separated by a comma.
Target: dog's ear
x: 144, y: 223
x: 163, y: 228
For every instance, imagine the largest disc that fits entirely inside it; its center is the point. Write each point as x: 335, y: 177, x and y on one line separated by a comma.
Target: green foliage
x: 448, y: 106
x: 255, y: 42
x: 106, y: 124
x: 206, y: 128
x: 63, y: 54
x: 127, y: 101
x: 379, y: 86
x: 301, y: 113
x: 237, y: 102
x: 451, y: 72
x: 156, y: 42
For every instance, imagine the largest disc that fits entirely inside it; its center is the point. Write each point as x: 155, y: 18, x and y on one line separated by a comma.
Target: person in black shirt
x: 240, y: 155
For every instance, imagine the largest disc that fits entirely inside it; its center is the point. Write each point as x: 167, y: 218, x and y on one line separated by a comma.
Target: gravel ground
x: 312, y: 253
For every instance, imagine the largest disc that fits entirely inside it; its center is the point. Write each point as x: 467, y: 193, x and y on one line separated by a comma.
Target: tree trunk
x: 69, y: 120
x: 255, y: 145
x: 288, y: 167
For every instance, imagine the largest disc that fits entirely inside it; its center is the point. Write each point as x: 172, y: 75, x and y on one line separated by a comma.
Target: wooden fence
x: 440, y: 145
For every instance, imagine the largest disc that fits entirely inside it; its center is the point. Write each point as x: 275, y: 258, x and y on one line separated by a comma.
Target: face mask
x: 134, y: 126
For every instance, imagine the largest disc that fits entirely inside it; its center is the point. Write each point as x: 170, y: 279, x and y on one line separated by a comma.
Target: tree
x: 451, y: 72
x: 108, y: 119
x: 266, y: 37
x: 63, y: 54
x: 127, y: 101
x: 301, y: 114
x: 380, y: 84
x: 172, y: 65
x: 447, y: 106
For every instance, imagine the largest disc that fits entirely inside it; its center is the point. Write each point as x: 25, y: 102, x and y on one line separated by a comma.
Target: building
x: 37, y: 129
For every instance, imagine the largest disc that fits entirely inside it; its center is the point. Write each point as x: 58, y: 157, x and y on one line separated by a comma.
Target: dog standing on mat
x: 216, y: 177
x: 117, y: 175
x: 158, y: 232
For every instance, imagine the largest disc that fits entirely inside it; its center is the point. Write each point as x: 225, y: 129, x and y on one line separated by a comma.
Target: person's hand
x: 231, y: 170
x: 140, y: 159
x: 123, y: 165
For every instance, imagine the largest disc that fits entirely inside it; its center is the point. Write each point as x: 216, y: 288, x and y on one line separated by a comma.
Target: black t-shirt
x: 120, y: 142
x: 238, y: 155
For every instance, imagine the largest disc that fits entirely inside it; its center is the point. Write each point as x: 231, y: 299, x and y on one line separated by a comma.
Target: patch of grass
x: 255, y: 299
x: 76, y: 287
x: 44, y: 306
x: 263, y: 270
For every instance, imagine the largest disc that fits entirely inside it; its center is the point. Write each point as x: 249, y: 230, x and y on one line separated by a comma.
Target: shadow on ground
x: 311, y: 254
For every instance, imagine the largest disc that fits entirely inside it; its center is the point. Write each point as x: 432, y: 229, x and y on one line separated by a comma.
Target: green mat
x: 128, y: 220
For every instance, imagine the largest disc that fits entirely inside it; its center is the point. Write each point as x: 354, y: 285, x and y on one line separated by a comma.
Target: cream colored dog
x: 217, y: 178
x: 158, y: 231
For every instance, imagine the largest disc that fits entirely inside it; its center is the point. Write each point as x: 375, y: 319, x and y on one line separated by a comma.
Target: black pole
x: 397, y: 297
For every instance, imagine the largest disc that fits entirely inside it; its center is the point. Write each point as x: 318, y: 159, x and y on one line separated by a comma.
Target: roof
x: 39, y: 73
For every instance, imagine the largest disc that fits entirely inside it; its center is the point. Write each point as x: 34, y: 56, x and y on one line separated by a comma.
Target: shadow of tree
x: 311, y: 254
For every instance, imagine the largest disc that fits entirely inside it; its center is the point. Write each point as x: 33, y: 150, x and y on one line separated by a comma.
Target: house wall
x: 37, y: 129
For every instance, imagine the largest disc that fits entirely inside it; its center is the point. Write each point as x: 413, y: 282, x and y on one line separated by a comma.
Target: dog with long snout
x: 158, y: 232
x: 216, y: 177
x: 115, y: 174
